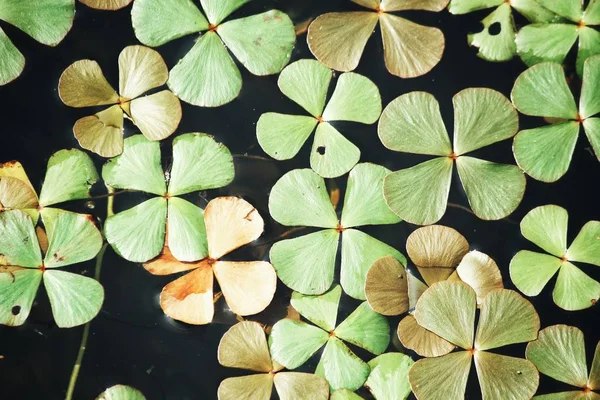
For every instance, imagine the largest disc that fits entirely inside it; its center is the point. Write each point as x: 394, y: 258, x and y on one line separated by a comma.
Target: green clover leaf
x: 545, y: 153
x: 448, y: 310
x: 207, y: 75
x: 138, y: 234
x: 546, y: 227
x: 306, y: 264
x: 306, y: 82
x: 412, y: 123
x: 121, y: 392
x: 25, y: 263
x: 338, y: 39
x: 293, y: 342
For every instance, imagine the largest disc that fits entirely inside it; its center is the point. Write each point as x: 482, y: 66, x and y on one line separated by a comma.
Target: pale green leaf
x: 293, y: 342
x: 505, y: 318
x: 448, y: 310
x: 72, y: 238
x: 412, y: 123
x: 494, y: 190
x: 138, y: 234
x: 589, y: 103
x: 121, y: 392
x: 332, y: 154
x: 156, y: 115
x: 594, y: 378
x: 533, y: 11
x: 306, y: 82
x: 355, y: 98
x: 75, y: 299
x: 546, y: 226
x: 299, y: 198
x: 363, y: 201
x: 365, y: 328
x: 69, y: 176
x: 199, y: 163
x: 341, y: 367
x: 419, y: 194
x: 482, y: 117
x: 48, y: 22
x: 137, y: 168
x: 389, y: 376
x: 320, y: 310
x: 338, y: 39
x: 570, y: 9
x: 586, y: 246
x: 545, y: 42
x: 499, y: 46
x: 207, y: 76
x: 530, y: 271
x: 591, y: 15
x: 12, y: 61
x: 345, y: 394
x: 591, y: 126
x: 217, y: 10
x: 263, y: 43
x: 401, y: 5
x: 158, y: 22
x: 306, y: 264
x: 19, y: 288
x: 187, y: 234
x: 19, y: 245
x: 572, y: 395
x: 505, y: 377
x: 545, y: 153
x: 449, y: 372
x: 589, y: 46
x: 574, y: 289
x: 466, y: 6
x: 542, y: 91
x: 559, y: 352
x: 282, y: 136
x: 359, y: 252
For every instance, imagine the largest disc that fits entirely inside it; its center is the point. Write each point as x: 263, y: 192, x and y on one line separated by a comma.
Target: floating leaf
x: 120, y: 392
x: 448, y: 310
x: 496, y: 41
x: 207, y: 76
x: 338, y: 39
x: 47, y: 22
x: 72, y: 238
x: 306, y: 82
x: 481, y: 117
x: 138, y: 234
x: 141, y: 69
x: 293, y: 342
x: 306, y: 264
x: 244, y: 346
x: 559, y: 352
x: 546, y: 226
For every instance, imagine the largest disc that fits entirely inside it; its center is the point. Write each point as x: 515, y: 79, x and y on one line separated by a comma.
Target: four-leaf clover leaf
x: 306, y: 264
x: 546, y: 227
x: 157, y: 115
x: 545, y: 153
x: 121, y: 392
x: 248, y: 286
x: 306, y: 82
x: 496, y: 41
x: 110, y: 5
x: 412, y: 123
x: 72, y: 238
x: 551, y: 40
x: 244, y: 346
x: 559, y: 352
x: 138, y: 234
x: 69, y: 176
x: 448, y: 310
x: 293, y: 342
x: 207, y: 76
x: 48, y: 22
x: 338, y: 39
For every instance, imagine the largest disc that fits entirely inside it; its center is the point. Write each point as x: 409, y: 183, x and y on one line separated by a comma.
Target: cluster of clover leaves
x: 454, y: 307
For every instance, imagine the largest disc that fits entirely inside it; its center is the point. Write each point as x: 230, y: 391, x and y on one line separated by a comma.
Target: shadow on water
x: 131, y: 341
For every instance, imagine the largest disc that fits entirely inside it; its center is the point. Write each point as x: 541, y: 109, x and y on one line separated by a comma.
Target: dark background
x: 131, y: 341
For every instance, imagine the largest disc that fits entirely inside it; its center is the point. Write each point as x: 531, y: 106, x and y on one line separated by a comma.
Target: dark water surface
x: 131, y: 341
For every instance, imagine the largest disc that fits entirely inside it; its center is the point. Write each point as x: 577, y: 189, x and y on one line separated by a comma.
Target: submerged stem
x: 111, y: 193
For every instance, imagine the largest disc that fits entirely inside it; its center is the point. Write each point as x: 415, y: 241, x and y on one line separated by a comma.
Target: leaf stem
x: 111, y: 193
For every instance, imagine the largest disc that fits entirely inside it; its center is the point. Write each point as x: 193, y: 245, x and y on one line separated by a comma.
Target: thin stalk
x: 111, y: 193
x: 86, y: 333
